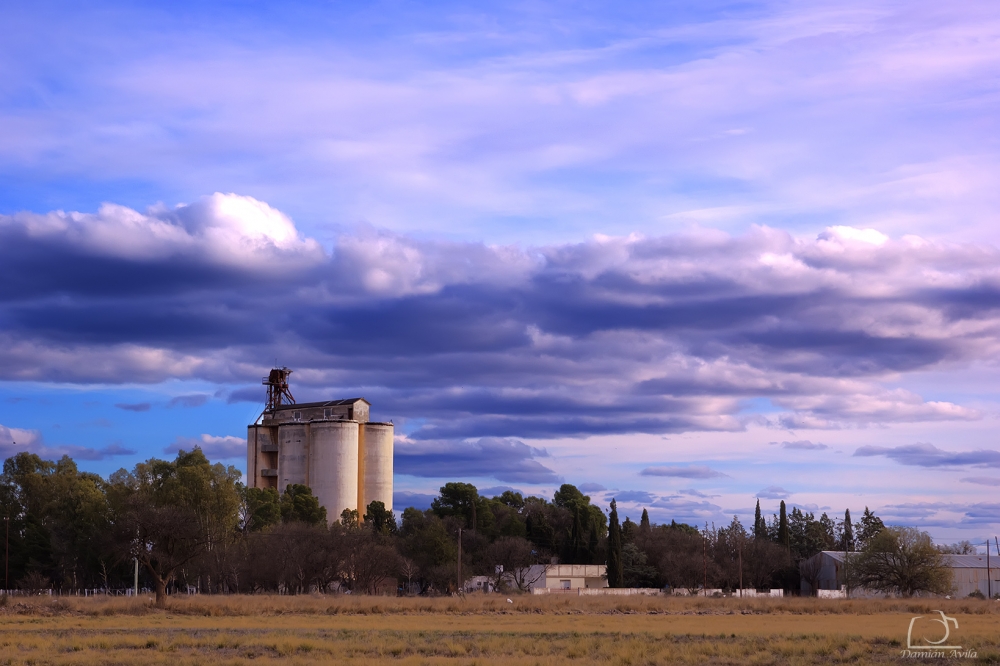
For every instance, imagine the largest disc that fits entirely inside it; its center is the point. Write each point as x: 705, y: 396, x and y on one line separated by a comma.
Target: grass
x: 477, y: 630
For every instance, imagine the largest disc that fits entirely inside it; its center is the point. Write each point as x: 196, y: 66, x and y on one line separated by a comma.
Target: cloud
x: 494, y: 491
x: 981, y: 480
x: 194, y: 400
x: 590, y: 487
x: 692, y: 472
x: 16, y: 440
x: 803, y: 445
x: 928, y: 455
x: 226, y: 447
x: 136, y: 407
x: 613, y: 335
x: 490, y: 457
x: 631, y: 496
x: 402, y: 500
x: 773, y: 492
x: 696, y: 493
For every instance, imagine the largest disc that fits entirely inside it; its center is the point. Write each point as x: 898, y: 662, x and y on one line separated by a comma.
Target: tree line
x: 190, y: 523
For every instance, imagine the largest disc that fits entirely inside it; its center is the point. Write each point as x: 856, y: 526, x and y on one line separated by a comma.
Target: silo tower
x: 331, y: 446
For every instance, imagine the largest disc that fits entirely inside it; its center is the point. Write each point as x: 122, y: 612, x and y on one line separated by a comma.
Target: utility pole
x: 741, y: 568
x: 704, y: 543
x: 6, y: 557
x: 136, y: 593
x: 989, y: 583
x: 459, y: 560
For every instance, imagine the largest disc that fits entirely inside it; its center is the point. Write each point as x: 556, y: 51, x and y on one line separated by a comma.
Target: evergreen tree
x: 848, y: 544
x: 868, y: 528
x: 616, y: 572
x: 592, y: 546
x: 759, y: 526
x: 783, y: 537
x: 644, y: 523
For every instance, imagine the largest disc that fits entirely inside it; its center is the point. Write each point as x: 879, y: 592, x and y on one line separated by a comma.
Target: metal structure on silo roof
x: 331, y: 446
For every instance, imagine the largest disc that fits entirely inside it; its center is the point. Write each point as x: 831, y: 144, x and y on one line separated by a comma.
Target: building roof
x: 327, y: 403
x: 953, y: 561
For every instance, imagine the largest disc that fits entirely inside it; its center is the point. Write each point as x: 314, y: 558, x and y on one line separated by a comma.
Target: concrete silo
x: 329, y: 446
x: 333, y: 465
x: 376, y: 471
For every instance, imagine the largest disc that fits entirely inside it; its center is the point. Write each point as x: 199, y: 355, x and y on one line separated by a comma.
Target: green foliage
x: 261, y: 508
x: 784, y: 538
x: 867, y: 529
x: 615, y: 565
x: 298, y: 504
x: 380, y: 519
x: 902, y: 560
x: 644, y: 522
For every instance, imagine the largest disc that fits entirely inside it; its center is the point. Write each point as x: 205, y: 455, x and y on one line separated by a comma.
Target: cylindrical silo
x: 293, y: 462
x: 333, y: 465
x: 377, y: 464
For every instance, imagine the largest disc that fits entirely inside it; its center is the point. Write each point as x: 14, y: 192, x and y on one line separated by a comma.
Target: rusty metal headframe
x: 277, y: 389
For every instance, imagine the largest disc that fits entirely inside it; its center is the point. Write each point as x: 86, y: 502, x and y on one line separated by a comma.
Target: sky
x: 688, y: 255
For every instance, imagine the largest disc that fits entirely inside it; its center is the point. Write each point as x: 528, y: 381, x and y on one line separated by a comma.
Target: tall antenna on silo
x: 277, y: 389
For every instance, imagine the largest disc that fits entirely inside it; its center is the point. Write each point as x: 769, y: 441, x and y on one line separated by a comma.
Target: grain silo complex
x: 330, y: 446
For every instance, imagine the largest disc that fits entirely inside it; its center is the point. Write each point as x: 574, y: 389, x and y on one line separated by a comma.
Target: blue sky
x: 686, y: 254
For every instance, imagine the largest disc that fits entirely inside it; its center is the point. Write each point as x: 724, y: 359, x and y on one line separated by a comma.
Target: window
x: 564, y: 584
x: 297, y: 416
x: 327, y: 413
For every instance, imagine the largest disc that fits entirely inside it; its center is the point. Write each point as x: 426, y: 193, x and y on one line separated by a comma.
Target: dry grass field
x: 478, y: 630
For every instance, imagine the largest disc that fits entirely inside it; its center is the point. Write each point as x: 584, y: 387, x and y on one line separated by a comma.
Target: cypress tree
x: 576, y: 546
x: 783, y: 526
x: 848, y: 531
x: 616, y: 571
x: 644, y: 522
x: 592, y: 546
x: 759, y: 526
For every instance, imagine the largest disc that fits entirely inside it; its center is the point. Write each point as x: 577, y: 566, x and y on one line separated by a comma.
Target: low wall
x: 600, y: 591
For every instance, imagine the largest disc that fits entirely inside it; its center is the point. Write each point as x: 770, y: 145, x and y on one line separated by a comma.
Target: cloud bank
x: 458, y: 341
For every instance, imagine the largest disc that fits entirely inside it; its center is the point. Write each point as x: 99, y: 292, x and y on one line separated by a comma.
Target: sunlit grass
x: 475, y: 630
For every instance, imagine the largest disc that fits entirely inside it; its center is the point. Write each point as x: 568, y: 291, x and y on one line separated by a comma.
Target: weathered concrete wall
x: 377, y: 468
x: 334, y: 465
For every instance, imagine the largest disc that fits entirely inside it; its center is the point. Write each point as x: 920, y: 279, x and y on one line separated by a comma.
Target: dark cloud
x: 803, y: 445
x: 619, y: 335
x: 690, y: 472
x: 490, y: 457
x: 590, y: 487
x: 134, y: 407
x: 927, y: 455
x: 773, y: 492
x: 194, y: 400
x: 402, y: 500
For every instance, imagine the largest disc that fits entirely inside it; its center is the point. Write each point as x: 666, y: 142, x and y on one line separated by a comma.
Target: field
x: 478, y: 630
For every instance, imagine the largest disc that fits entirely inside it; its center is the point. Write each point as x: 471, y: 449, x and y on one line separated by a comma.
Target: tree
x: 298, y: 504
x: 615, y: 570
x: 380, y: 519
x: 866, y: 530
x: 167, y: 514
x: 847, y: 539
x: 901, y: 560
x: 259, y: 508
x: 644, y: 527
x: 507, y: 561
x: 759, y: 524
x: 783, y: 535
